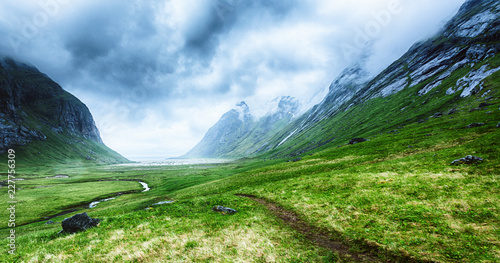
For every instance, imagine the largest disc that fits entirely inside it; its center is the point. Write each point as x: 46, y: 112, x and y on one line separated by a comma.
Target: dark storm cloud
x: 217, y: 17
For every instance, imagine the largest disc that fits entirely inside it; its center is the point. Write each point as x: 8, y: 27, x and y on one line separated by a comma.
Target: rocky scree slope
x: 35, y: 113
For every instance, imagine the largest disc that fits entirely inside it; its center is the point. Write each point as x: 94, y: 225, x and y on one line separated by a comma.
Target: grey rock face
x: 24, y: 88
x: 78, y: 222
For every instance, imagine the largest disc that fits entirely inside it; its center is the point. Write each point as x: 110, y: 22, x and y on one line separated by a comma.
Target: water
x: 175, y: 162
x: 95, y: 203
x: 145, y: 186
x: 163, y: 202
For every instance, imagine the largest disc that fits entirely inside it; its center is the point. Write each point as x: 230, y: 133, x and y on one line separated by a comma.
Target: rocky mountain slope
x: 438, y: 75
x: 238, y: 133
x: 43, y: 121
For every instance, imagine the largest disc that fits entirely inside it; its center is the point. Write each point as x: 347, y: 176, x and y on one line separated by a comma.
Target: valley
x: 400, y: 165
x: 395, y: 197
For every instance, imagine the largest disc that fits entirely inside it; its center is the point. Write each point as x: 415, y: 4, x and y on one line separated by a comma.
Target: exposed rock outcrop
x: 30, y: 101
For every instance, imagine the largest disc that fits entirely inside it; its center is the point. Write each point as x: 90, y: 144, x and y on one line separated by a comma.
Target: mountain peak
x: 282, y: 106
x: 35, y: 108
x: 10, y: 64
x: 243, y: 111
x: 242, y: 104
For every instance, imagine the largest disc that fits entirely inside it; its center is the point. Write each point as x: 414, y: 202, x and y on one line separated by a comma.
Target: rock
x: 78, y: 222
x: 474, y: 125
x: 438, y: 115
x: 294, y: 160
x: 50, y: 222
x: 224, y: 210
x: 469, y: 159
x: 498, y: 125
x: 452, y: 111
x: 357, y: 140
x: 484, y: 104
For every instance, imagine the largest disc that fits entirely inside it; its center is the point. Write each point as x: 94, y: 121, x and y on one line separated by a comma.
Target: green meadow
x: 394, y: 198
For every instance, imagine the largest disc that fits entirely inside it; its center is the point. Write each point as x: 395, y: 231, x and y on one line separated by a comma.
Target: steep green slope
x: 389, y: 114
x: 43, y: 123
x: 450, y: 71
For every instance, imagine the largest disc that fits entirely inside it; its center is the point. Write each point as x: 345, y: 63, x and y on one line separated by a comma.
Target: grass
x: 396, y: 193
x: 383, y: 193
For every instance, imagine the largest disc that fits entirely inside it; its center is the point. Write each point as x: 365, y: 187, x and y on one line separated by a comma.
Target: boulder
x: 50, y: 222
x: 469, y: 159
x: 79, y: 222
x: 294, y: 160
x: 474, y: 125
x: 498, y: 125
x: 223, y: 209
x: 438, y: 115
x: 452, y: 111
x: 484, y: 104
x: 357, y: 140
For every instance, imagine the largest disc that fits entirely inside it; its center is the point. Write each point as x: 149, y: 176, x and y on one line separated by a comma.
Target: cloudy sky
x: 156, y: 74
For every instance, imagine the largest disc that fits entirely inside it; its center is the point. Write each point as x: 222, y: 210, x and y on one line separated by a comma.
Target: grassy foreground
x: 395, y: 196
x: 396, y: 192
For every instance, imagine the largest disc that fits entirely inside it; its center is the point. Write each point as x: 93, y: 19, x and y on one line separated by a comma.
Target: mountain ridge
x: 446, y: 64
x: 238, y: 132
x: 35, y: 110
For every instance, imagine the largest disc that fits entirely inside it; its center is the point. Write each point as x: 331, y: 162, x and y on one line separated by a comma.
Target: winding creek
x: 93, y: 204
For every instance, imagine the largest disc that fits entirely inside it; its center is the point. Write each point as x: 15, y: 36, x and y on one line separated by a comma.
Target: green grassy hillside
x: 381, y: 115
x: 393, y: 198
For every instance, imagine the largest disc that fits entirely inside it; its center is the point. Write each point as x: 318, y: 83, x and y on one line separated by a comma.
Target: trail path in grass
x: 329, y: 240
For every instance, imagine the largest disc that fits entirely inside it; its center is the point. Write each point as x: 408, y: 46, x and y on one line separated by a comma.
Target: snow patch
x: 287, y: 137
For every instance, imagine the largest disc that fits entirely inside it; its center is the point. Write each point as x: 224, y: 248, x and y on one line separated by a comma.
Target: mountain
x: 41, y: 121
x: 442, y: 74
x: 457, y: 68
x: 238, y: 133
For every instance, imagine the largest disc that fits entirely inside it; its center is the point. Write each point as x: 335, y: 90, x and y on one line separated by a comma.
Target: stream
x: 91, y: 205
x: 95, y: 203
